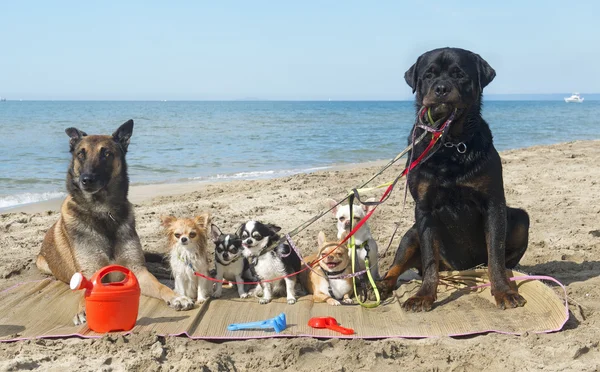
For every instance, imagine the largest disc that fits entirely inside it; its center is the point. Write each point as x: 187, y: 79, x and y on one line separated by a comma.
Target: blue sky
x: 285, y: 50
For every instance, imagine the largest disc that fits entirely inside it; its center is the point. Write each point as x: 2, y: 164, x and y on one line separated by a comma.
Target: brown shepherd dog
x: 97, y: 226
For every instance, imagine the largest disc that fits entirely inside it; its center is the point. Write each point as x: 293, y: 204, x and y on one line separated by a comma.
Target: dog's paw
x: 348, y: 301
x: 509, y: 299
x: 264, y: 301
x: 291, y: 301
x: 181, y: 303
x: 79, y: 318
x: 333, y: 302
x: 418, y: 303
x: 244, y: 295
x: 200, y: 301
x: 217, y: 294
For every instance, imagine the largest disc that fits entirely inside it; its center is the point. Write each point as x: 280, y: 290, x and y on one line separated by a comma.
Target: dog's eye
x: 257, y: 236
x: 244, y: 234
x: 192, y: 235
x: 81, y: 154
x: 429, y: 75
x: 177, y: 236
x: 233, y: 250
x: 458, y: 74
x: 342, y: 219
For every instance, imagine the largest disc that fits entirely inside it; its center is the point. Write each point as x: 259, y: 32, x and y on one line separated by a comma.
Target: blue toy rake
x: 278, y: 324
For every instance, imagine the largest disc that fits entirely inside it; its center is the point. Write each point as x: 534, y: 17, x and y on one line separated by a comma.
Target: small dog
x: 335, y: 262
x: 270, y: 264
x: 97, y: 223
x: 188, y: 240
x: 230, y: 263
x: 365, y: 244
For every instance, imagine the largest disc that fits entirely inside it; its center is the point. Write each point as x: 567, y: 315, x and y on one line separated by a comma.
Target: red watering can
x: 109, y: 306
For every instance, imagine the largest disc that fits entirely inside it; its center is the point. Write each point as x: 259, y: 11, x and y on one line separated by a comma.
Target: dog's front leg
x: 204, y: 288
x: 290, y: 287
x: 495, y: 235
x: 267, y: 289
x: 430, y: 253
x: 219, y: 285
x: 240, y: 286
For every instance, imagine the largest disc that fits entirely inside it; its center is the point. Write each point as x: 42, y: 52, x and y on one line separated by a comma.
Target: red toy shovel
x: 329, y: 323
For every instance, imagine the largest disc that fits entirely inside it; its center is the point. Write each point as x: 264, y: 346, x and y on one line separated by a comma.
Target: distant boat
x: 574, y: 98
x: 2, y: 99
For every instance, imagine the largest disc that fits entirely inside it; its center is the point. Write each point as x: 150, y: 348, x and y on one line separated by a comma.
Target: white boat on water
x: 574, y: 98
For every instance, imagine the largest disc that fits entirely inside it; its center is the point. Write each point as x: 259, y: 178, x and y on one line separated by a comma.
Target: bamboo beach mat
x: 44, y: 309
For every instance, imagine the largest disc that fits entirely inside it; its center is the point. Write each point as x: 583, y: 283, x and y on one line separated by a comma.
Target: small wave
x: 258, y: 174
x: 27, y: 198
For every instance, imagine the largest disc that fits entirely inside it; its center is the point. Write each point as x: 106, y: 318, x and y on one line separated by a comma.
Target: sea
x: 192, y: 141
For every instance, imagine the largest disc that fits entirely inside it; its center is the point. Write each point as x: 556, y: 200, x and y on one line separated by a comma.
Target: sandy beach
x: 557, y: 185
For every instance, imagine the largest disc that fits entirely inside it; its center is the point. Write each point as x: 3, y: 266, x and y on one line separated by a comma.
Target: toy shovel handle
x: 342, y: 330
x: 130, y: 279
x: 238, y: 326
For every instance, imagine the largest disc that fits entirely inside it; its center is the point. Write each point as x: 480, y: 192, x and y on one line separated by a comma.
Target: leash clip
x: 461, y: 148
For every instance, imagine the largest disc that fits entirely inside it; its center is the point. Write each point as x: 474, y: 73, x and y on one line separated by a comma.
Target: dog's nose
x: 442, y: 90
x: 248, y: 241
x: 88, y: 179
x: 225, y: 256
x: 184, y: 239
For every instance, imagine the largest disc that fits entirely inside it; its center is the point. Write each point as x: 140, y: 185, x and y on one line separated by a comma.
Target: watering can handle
x: 129, y: 276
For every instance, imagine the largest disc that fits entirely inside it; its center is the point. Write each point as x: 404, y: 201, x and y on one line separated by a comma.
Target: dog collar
x: 229, y: 263
x: 364, y: 245
x: 333, y: 273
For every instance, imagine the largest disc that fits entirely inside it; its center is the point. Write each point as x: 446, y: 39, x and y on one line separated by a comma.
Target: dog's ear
x: 240, y: 230
x: 203, y: 220
x: 123, y: 134
x: 76, y: 135
x: 368, y: 208
x: 332, y: 204
x: 411, y: 76
x: 485, y: 72
x: 215, y: 232
x: 166, y: 221
x: 273, y: 228
x: 321, y: 238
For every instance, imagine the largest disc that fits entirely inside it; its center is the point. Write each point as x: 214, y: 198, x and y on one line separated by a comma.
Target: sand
x: 558, y: 185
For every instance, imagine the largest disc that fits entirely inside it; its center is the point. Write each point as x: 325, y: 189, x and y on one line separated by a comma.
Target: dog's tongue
x: 331, y: 265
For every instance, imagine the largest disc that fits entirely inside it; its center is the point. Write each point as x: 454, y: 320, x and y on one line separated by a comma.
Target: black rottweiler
x: 461, y: 215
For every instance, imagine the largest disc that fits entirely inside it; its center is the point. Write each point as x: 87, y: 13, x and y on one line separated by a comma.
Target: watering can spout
x: 78, y: 281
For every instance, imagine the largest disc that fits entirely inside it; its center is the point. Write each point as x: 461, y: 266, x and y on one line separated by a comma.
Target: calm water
x: 198, y: 141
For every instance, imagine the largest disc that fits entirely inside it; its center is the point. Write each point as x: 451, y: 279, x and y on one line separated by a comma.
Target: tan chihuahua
x: 323, y: 284
x: 188, y: 243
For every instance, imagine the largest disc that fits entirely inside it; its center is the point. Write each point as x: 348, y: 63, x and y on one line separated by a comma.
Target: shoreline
x: 139, y: 193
